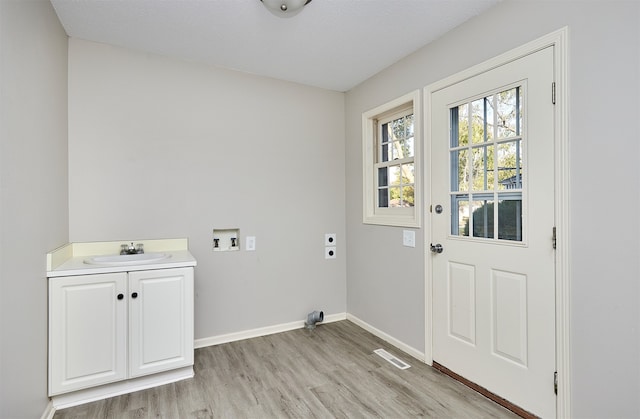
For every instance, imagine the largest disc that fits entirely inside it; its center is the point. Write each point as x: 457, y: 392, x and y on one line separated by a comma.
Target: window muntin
x: 487, y: 165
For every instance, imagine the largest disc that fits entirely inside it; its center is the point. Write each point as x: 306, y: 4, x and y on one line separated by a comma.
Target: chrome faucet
x: 130, y: 249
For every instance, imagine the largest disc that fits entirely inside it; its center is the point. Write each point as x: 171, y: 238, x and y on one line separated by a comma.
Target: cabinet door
x: 160, y: 320
x: 87, y: 331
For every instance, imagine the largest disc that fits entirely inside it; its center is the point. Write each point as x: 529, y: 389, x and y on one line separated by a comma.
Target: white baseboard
x: 49, y: 411
x: 387, y: 338
x: 122, y: 387
x: 262, y: 331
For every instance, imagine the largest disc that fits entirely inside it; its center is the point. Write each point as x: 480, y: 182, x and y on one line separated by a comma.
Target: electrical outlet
x: 409, y: 238
x: 250, y: 243
x: 330, y: 252
x: 330, y: 239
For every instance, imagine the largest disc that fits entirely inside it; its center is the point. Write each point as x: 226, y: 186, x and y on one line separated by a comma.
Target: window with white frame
x: 391, y: 141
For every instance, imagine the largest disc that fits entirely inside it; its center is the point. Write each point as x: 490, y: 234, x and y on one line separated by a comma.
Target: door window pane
x: 510, y: 220
x: 460, y: 125
x: 482, y: 219
x: 478, y: 121
x: 483, y: 173
x: 461, y: 172
x: 509, y: 112
x: 459, y: 215
x: 510, y: 165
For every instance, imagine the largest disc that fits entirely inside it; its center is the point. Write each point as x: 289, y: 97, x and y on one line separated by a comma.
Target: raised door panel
x: 87, y: 323
x: 160, y: 320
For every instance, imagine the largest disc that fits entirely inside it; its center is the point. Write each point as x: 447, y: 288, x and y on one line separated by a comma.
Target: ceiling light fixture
x: 285, y: 8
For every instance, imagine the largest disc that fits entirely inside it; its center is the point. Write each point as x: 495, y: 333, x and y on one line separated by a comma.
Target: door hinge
x: 553, y: 93
x: 553, y: 238
x: 555, y: 382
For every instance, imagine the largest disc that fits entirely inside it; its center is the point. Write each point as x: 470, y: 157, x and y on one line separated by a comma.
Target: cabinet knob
x: 120, y: 296
x: 134, y: 295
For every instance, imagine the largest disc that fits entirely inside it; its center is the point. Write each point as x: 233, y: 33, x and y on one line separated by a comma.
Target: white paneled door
x: 492, y: 168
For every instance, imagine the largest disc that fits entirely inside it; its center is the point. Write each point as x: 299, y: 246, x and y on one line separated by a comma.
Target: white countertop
x: 70, y: 262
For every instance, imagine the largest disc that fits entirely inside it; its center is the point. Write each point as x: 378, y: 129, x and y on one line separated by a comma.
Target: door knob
x: 436, y: 248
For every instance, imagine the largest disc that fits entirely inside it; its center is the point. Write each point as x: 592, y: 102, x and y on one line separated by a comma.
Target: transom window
x: 487, y: 166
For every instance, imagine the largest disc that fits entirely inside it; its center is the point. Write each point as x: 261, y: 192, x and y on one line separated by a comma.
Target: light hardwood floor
x: 329, y: 372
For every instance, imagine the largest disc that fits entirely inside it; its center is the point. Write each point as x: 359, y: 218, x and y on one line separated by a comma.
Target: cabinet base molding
x: 75, y: 398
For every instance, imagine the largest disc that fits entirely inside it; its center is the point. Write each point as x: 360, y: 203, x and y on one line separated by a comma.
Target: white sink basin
x: 120, y: 260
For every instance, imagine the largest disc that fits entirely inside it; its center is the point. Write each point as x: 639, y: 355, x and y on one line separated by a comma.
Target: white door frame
x: 558, y: 40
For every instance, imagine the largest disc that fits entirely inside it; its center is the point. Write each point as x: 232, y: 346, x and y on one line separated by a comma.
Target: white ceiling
x: 333, y: 44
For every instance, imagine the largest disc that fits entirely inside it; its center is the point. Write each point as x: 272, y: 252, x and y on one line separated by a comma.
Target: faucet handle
x: 139, y: 248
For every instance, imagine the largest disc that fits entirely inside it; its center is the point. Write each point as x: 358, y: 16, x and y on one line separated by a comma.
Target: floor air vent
x: 392, y: 359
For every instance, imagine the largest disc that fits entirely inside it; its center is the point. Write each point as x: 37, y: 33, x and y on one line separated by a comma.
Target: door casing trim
x: 559, y: 40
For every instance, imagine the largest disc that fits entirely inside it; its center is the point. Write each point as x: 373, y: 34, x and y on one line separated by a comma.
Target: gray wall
x: 33, y: 194
x: 221, y: 149
x: 604, y: 55
x: 160, y: 148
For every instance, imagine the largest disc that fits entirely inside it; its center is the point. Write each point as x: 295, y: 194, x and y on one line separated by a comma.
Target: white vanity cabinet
x: 109, y: 327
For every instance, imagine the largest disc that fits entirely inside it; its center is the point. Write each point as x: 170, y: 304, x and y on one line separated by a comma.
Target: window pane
x: 519, y: 120
x: 477, y: 121
x: 489, y: 122
x: 409, y: 126
x: 510, y: 220
x: 397, y: 129
x: 459, y: 125
x: 483, y: 219
x: 402, y: 149
x: 460, y: 215
x: 382, y: 177
x: 483, y: 174
x: 394, y: 175
x: 394, y: 197
x: 460, y: 171
x: 408, y: 199
x: 384, y: 152
x: 510, y: 165
x: 408, y: 180
x: 407, y: 148
x: 383, y: 198
x: 478, y: 166
x: 408, y: 173
x: 508, y: 113
x: 385, y: 133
